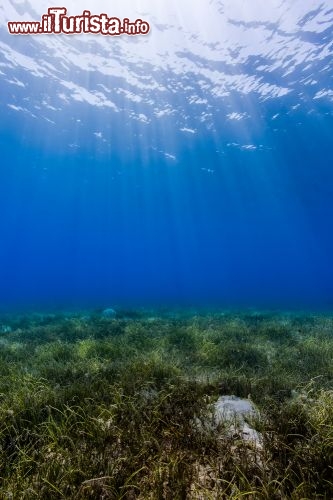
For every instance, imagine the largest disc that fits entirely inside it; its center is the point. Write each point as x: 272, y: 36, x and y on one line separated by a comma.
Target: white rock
x: 109, y: 313
x: 235, y: 411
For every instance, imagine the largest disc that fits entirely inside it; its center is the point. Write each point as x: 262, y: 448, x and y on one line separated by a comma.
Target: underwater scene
x: 166, y: 250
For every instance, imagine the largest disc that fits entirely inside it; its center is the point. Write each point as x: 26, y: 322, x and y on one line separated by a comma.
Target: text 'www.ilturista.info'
x: 56, y: 22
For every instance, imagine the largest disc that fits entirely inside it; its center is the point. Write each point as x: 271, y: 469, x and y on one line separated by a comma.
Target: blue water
x: 194, y: 191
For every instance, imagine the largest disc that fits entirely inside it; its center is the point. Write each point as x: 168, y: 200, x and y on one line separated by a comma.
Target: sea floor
x: 117, y: 404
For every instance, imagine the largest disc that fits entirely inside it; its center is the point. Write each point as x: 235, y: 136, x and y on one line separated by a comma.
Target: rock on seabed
x: 109, y: 312
x: 236, y: 411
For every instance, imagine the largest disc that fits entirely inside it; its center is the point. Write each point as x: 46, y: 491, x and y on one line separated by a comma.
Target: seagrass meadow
x: 93, y: 407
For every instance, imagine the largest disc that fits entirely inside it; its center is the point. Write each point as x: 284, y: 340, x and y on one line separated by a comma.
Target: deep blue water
x: 195, y: 191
